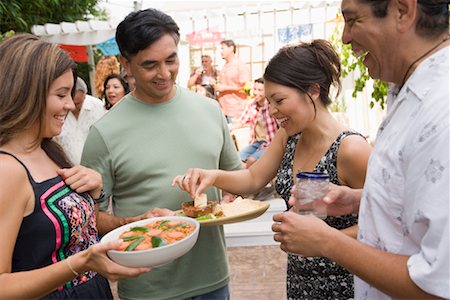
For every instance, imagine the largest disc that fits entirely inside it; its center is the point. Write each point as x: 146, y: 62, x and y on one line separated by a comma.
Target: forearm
x: 237, y: 182
x: 107, y: 222
x: 351, y: 231
x: 230, y: 88
x: 354, y: 197
x: 385, y: 271
x: 192, y: 80
x: 36, y: 283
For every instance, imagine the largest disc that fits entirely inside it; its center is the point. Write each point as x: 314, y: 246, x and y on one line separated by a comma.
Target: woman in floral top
x: 297, y: 85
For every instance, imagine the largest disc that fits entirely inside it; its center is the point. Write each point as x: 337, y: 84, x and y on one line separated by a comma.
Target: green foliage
x: 20, y: 15
x: 6, y: 35
x: 350, y: 64
x: 338, y: 106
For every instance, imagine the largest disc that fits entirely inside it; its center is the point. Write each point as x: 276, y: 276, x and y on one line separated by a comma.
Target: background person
x: 106, y: 66
x: 403, y: 243
x: 263, y: 126
x: 201, y: 90
x: 297, y: 85
x: 49, y: 238
x: 115, y: 88
x: 88, y: 110
x: 150, y: 136
x: 204, y: 76
x: 232, y: 79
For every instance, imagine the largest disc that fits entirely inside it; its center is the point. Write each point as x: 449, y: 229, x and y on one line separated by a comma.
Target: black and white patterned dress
x: 317, y: 277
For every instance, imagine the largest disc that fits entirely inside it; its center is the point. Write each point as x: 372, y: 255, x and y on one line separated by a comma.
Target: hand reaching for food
x: 195, y: 181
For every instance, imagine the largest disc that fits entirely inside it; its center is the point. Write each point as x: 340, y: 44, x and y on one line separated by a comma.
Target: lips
x: 282, y: 122
x: 162, y: 84
x: 61, y: 119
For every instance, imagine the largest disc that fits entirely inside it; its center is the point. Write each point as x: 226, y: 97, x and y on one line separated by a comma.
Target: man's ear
x: 125, y: 64
x: 405, y: 14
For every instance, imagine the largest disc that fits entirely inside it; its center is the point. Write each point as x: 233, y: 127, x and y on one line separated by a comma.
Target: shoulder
x: 193, y: 99
x: 13, y: 175
x: 352, y: 145
x: 93, y: 101
x: 11, y: 165
x: 352, y: 159
x: 114, y: 116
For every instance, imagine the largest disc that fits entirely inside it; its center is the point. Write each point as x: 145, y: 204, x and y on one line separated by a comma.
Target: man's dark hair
x: 259, y: 80
x: 229, y: 43
x: 142, y: 28
x: 433, y: 15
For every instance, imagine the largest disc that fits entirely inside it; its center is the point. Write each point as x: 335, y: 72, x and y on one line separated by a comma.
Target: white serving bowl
x: 154, y: 257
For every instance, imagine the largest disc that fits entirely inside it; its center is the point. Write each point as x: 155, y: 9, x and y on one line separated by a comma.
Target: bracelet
x: 70, y: 266
x: 100, y: 198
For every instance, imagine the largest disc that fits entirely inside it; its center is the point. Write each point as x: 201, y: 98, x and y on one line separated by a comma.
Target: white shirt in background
x: 75, y: 131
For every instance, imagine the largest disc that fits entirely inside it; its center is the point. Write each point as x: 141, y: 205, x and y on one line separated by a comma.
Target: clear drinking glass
x: 311, y: 188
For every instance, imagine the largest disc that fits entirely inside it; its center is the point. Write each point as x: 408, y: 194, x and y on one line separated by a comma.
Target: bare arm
x: 242, y: 182
x: 107, y: 222
x: 385, y: 271
x: 193, y: 79
x: 227, y: 88
x: 352, y: 160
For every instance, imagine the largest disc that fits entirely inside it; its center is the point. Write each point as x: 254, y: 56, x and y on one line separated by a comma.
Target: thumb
x: 199, y: 190
x: 61, y: 172
x: 112, y: 245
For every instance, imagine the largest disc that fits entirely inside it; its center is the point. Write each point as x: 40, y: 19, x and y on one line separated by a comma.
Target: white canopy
x: 81, y: 33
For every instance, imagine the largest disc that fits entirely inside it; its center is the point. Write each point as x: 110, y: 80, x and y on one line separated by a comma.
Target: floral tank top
x: 315, y: 277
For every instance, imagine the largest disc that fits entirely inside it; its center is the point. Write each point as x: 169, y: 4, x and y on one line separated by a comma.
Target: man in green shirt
x: 153, y: 134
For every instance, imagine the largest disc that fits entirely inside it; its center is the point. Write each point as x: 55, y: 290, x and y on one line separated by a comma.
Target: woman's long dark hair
x: 28, y: 68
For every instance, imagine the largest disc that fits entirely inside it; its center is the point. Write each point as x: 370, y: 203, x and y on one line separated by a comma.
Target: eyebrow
x: 63, y: 89
x: 347, y: 12
x: 151, y: 62
x: 272, y: 95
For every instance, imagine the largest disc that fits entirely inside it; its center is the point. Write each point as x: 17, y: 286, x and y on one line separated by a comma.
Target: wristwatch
x: 100, y: 198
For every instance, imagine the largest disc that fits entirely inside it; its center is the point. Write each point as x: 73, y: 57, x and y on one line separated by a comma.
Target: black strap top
x: 328, y: 164
x: 62, y: 224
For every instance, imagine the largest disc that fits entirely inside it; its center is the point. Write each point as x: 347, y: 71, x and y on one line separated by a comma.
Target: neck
x: 230, y: 57
x: 322, y: 129
x: 427, y: 49
x: 23, y: 143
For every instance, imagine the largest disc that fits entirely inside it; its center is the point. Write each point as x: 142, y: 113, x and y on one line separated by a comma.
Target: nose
x: 164, y: 72
x: 272, y: 109
x: 69, y: 105
x: 346, y: 36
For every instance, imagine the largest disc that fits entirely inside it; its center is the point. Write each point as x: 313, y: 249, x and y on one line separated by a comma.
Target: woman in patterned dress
x: 49, y: 238
x: 297, y: 85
